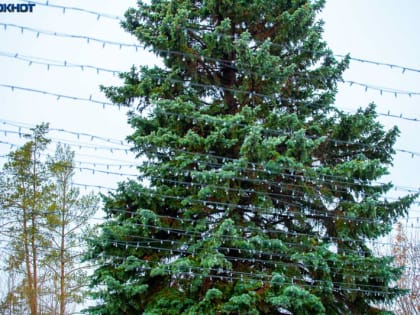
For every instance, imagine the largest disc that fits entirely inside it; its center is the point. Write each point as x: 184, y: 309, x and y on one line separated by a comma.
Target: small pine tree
x: 67, y: 225
x: 24, y: 199
x: 42, y: 216
x: 255, y: 194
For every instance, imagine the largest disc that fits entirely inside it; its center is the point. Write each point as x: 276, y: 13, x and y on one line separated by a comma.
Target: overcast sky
x: 379, y: 30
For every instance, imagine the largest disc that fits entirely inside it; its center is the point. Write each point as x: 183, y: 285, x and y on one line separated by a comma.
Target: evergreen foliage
x: 255, y: 194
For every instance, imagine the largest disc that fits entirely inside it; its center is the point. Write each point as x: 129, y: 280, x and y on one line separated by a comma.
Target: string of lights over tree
x: 323, y: 265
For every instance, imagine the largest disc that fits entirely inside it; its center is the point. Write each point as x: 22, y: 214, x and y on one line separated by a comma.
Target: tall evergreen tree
x: 255, y: 194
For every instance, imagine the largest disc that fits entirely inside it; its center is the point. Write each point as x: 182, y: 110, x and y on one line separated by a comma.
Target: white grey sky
x: 379, y: 30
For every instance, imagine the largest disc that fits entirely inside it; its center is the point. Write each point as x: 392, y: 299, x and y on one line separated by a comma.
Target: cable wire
x: 338, y: 181
x: 205, y: 118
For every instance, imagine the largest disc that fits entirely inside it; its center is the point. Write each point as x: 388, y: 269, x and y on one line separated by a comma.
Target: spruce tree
x: 255, y: 194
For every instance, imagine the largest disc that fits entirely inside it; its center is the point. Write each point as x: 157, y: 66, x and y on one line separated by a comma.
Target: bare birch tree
x: 406, y: 251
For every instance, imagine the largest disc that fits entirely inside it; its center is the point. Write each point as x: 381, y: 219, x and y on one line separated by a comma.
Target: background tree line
x: 43, y: 216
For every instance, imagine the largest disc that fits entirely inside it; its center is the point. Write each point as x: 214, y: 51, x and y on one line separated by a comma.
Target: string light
x: 63, y: 8
x: 232, y: 272
x: 123, y: 147
x: 206, y: 118
x: 224, y: 274
x: 99, y: 15
x: 55, y: 63
x: 103, y: 103
x: 251, y: 93
x: 321, y: 215
x: 72, y: 144
x: 339, y: 181
x: 186, y: 232
x: 294, y: 179
x: 78, y: 134
x: 180, y: 248
x: 98, y: 69
x: 403, y: 69
x: 87, y: 39
x: 58, y: 96
x: 383, y: 89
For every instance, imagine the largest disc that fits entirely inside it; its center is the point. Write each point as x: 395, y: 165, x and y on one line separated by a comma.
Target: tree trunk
x: 62, y: 254
x: 34, y: 288
x: 25, y: 232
